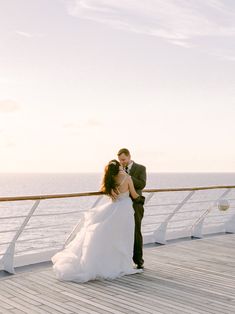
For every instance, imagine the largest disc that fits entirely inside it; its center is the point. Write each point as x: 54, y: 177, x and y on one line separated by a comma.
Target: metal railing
x: 180, y: 218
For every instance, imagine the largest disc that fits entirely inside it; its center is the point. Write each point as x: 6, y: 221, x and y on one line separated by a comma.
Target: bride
x: 103, y: 246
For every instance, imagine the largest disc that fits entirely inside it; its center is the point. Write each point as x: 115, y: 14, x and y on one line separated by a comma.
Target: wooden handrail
x: 191, y: 189
x: 43, y: 197
x: 50, y: 196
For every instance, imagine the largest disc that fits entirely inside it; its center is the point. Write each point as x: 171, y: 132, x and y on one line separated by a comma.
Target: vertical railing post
x: 159, y: 234
x: 198, y: 225
x: 8, y: 257
x: 148, y: 198
x: 230, y: 225
x: 97, y: 201
x: 76, y: 229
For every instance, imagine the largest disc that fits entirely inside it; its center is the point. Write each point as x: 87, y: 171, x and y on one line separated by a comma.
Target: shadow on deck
x: 182, y: 277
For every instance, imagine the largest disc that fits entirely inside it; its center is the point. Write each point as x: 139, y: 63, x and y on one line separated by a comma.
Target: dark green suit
x: 138, y: 175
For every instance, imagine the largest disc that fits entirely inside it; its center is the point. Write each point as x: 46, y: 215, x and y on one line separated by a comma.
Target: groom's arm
x: 140, y: 180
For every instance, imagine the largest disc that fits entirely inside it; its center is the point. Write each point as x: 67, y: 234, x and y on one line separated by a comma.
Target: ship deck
x: 195, y: 276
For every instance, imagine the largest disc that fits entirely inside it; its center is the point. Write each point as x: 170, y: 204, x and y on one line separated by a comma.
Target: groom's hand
x: 114, y: 195
x: 139, y: 200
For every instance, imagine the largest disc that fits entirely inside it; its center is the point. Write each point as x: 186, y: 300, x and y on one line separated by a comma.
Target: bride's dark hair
x: 108, y: 182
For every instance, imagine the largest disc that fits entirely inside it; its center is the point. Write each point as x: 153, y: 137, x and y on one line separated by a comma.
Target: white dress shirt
x: 129, y: 167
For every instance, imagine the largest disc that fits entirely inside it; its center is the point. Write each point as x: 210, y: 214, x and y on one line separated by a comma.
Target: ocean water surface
x: 54, y: 219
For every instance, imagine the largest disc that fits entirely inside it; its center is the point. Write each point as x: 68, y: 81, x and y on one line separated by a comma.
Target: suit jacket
x: 138, y: 175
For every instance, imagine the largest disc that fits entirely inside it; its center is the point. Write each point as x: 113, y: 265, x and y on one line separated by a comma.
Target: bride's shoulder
x: 122, y: 177
x: 126, y: 177
x: 122, y: 174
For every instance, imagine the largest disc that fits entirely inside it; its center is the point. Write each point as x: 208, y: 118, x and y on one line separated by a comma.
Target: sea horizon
x: 38, y: 183
x: 99, y: 172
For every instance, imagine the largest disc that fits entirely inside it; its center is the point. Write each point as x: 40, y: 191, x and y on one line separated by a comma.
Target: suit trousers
x: 138, y: 242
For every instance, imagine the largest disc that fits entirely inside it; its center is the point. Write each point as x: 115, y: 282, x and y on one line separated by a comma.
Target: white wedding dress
x: 103, y: 246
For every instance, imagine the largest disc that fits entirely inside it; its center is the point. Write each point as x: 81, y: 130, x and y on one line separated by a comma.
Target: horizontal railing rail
x: 68, y: 195
x: 156, y: 223
x: 44, y: 197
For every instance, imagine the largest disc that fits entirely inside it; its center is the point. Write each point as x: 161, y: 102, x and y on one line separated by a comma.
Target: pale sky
x: 81, y: 79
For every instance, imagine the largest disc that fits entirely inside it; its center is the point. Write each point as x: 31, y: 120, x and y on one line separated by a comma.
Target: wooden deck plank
x: 16, y: 311
x: 184, y: 298
x: 3, y: 310
x: 105, y: 293
x: 124, y: 296
x: 196, y: 277
x: 26, y: 308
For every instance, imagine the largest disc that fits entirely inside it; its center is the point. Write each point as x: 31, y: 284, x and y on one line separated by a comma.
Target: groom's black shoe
x: 140, y: 266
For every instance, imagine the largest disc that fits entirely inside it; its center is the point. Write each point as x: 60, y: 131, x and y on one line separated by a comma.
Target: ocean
x: 49, y: 183
x: 54, y: 219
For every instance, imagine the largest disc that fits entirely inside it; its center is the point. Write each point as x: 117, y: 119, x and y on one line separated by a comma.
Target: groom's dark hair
x: 123, y: 151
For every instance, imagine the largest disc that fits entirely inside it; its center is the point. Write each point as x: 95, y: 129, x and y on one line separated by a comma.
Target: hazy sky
x: 81, y: 79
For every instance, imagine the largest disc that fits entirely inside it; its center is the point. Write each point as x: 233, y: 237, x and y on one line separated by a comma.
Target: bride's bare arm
x: 132, y: 188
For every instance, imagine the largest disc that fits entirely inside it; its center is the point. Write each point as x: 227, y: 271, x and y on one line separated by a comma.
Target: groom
x: 138, y: 175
